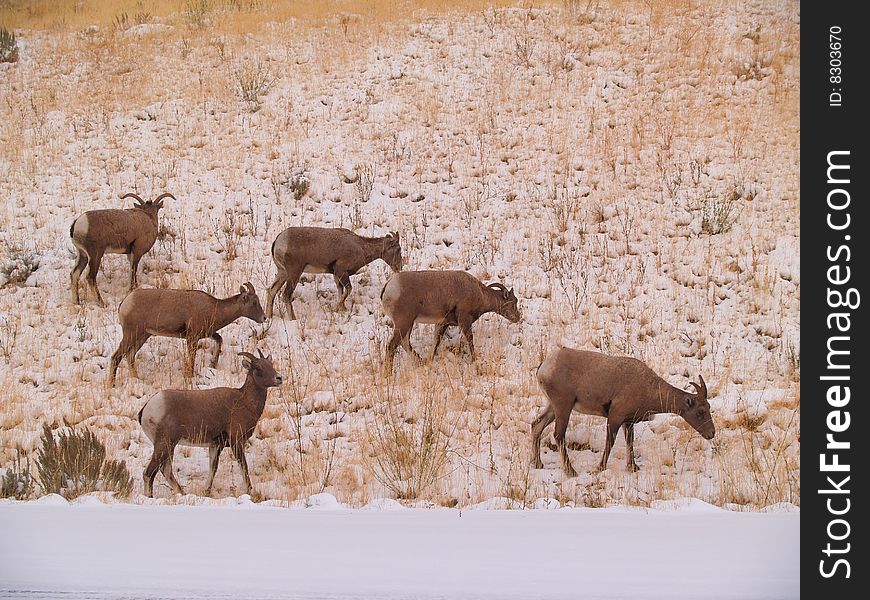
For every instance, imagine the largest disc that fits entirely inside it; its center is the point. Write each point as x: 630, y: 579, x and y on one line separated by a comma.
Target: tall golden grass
x: 236, y: 15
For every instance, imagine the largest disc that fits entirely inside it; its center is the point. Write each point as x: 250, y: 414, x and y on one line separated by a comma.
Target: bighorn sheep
x: 444, y: 298
x: 216, y: 418
x: 341, y: 252
x: 130, y: 231
x: 621, y: 388
x: 188, y: 314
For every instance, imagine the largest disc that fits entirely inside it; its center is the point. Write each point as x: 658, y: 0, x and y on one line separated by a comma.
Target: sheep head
x: 261, y: 369
x: 508, y: 305
x: 251, y: 307
x: 392, y: 253
x: 697, y: 410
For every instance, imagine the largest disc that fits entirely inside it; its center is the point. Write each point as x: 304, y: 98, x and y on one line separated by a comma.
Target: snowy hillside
x: 633, y: 173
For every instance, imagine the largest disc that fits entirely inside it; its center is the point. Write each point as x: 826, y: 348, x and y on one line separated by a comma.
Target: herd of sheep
x: 621, y: 389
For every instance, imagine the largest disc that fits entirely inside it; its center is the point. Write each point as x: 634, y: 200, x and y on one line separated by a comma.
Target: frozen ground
x: 694, y: 551
x: 633, y: 174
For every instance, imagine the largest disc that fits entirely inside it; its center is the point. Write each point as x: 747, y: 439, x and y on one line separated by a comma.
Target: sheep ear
x: 246, y: 364
x: 690, y: 402
x: 243, y: 291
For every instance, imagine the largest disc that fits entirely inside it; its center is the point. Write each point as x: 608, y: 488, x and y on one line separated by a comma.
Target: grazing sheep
x: 130, y: 231
x: 217, y: 418
x: 341, y: 252
x: 188, y: 314
x: 620, y: 388
x: 444, y: 298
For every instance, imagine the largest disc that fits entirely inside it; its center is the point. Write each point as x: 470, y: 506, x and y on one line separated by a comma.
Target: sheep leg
x: 134, y: 266
x: 166, y: 469
x: 81, y: 262
x: 628, y: 430
x: 290, y: 287
x: 220, y: 341
x: 149, y: 474
x: 401, y: 335
x: 162, y: 452
x: 562, y: 417
x: 273, y: 291
x: 93, y: 269
x: 214, y: 456
x: 130, y: 355
x: 342, y: 282
x: 538, y: 426
x: 113, y: 365
x: 465, y: 324
x: 239, y: 452
x: 612, y: 430
x: 128, y: 346
x: 439, y: 333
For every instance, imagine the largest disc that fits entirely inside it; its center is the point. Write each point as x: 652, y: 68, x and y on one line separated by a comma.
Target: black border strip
x: 833, y: 247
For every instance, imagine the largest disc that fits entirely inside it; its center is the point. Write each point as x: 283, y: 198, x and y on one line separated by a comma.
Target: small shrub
x: 197, y: 12
x: 8, y: 337
x: 116, y: 478
x: 75, y: 464
x: 17, y: 481
x: 718, y: 215
x: 365, y: 182
x: 18, y: 266
x: 299, y: 184
x: 253, y: 81
x: 410, y: 451
x: 524, y: 48
x: 8, y: 46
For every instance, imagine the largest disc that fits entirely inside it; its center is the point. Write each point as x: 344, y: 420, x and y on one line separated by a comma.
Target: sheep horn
x: 249, y: 288
x: 248, y: 355
x: 701, y: 389
x: 499, y: 288
x: 134, y: 196
x: 260, y: 352
x: 162, y: 196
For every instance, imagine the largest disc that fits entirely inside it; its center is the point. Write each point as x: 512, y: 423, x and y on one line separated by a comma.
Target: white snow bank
x: 87, y: 550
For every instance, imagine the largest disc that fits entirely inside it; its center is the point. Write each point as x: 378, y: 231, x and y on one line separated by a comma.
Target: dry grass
x: 223, y: 15
x: 574, y: 166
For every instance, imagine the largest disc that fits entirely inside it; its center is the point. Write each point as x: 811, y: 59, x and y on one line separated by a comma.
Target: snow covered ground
x: 633, y: 174
x: 692, y: 551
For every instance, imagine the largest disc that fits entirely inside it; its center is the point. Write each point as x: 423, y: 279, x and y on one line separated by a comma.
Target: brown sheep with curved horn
x: 620, y: 388
x: 189, y: 314
x: 444, y: 298
x: 216, y: 418
x: 130, y: 231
